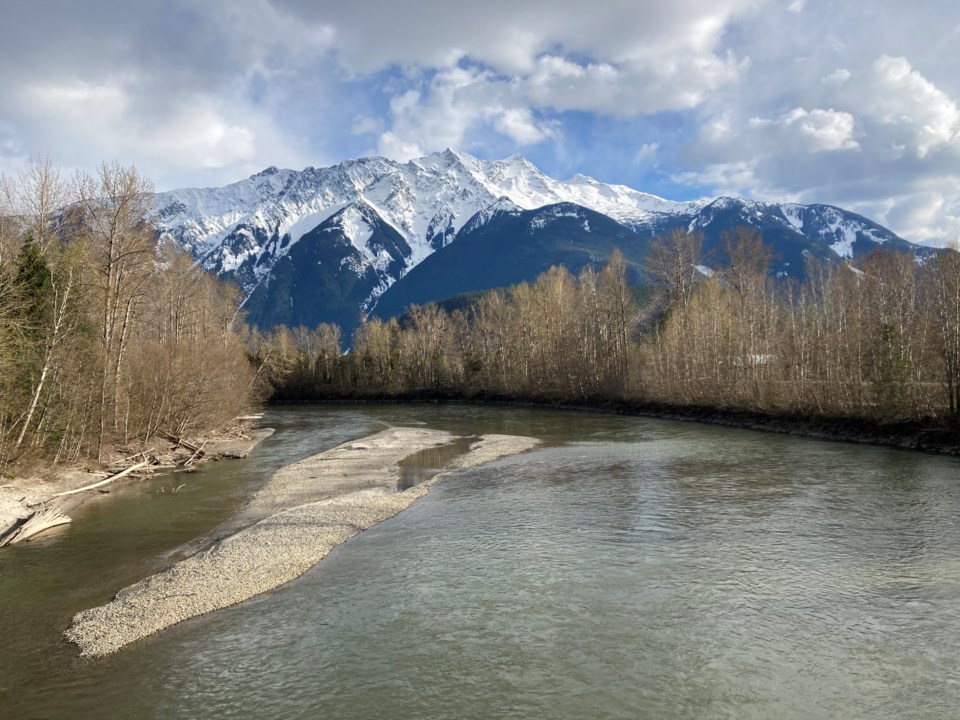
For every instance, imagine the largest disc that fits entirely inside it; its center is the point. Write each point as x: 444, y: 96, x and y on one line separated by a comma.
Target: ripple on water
x: 658, y: 570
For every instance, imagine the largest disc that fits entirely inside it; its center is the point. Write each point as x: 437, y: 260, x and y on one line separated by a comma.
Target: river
x: 629, y: 568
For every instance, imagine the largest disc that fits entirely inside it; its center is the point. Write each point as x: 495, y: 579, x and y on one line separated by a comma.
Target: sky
x: 847, y: 102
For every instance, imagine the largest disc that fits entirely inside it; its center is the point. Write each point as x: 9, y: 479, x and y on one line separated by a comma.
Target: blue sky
x: 849, y: 103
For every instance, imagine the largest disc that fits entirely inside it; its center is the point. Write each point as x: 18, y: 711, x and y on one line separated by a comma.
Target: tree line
x: 106, y: 337
x: 109, y: 338
x: 876, y: 338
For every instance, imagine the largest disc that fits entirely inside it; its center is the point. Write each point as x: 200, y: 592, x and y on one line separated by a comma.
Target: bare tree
x: 673, y: 263
x: 44, y: 197
x: 943, y: 281
x: 116, y: 205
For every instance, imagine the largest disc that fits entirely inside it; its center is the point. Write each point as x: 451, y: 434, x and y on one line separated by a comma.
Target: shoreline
x: 22, y: 496
x: 304, y: 511
x: 933, y: 438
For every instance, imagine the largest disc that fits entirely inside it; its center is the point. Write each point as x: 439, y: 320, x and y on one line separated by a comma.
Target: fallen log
x: 110, y: 479
x: 128, y: 459
x: 199, y: 453
x: 178, y: 440
x: 38, y: 522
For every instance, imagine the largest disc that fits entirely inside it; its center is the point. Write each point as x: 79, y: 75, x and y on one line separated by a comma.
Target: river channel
x: 629, y: 568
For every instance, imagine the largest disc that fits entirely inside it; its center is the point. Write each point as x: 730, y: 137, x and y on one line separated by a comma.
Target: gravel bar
x: 304, y: 511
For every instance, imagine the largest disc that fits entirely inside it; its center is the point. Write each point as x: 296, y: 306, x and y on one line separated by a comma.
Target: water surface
x: 631, y: 568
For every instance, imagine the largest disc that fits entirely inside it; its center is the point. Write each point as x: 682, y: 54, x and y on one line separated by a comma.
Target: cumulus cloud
x: 179, y: 89
x: 454, y: 103
x: 918, y: 115
x: 509, y: 37
x: 848, y: 107
x: 814, y: 130
x: 930, y: 208
x: 816, y: 100
x: 502, y: 66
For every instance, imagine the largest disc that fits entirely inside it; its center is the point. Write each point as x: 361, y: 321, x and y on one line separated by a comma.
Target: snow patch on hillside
x: 794, y: 215
x: 844, y: 246
x: 246, y: 227
x: 356, y: 229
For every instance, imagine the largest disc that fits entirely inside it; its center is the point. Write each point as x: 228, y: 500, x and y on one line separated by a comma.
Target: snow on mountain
x: 245, y: 227
x: 385, y: 218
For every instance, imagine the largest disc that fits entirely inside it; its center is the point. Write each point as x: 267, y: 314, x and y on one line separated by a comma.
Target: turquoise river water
x: 630, y: 568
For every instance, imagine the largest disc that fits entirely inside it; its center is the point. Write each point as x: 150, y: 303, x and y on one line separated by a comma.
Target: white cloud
x: 646, y: 152
x: 824, y: 100
x: 500, y: 65
x: 395, y: 148
x: 733, y: 178
x: 814, y: 130
x: 928, y: 212
x: 854, y: 123
x: 837, y: 77
x: 194, y: 139
x: 365, y: 125
x: 509, y: 36
x: 518, y: 124
x: 912, y: 107
x: 454, y: 103
x: 631, y: 88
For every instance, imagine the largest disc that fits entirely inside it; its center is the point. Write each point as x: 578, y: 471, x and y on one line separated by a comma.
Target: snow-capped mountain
x: 324, y: 244
x: 245, y: 227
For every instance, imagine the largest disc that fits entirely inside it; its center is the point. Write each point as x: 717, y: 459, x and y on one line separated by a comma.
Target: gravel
x: 299, y: 516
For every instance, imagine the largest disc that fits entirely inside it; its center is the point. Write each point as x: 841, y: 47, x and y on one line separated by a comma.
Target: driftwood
x: 36, y: 523
x: 128, y: 459
x: 110, y: 479
x: 198, y: 453
x: 179, y: 441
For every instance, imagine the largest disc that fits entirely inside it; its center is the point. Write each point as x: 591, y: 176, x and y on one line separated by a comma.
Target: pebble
x: 304, y: 511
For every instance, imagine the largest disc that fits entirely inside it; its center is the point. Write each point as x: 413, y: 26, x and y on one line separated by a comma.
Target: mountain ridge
x: 394, y: 216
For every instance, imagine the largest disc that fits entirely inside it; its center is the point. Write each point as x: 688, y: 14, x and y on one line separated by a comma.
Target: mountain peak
x: 400, y: 214
x: 446, y: 158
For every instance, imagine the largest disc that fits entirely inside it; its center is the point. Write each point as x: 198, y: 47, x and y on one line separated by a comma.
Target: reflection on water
x: 427, y: 463
x: 632, y: 568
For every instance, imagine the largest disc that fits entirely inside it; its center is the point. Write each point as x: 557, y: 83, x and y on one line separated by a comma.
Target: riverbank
x: 304, y: 511
x: 21, y: 496
x: 931, y: 436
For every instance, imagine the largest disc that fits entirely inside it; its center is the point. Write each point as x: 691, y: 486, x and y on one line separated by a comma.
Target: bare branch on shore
x: 117, y: 476
x: 38, y: 522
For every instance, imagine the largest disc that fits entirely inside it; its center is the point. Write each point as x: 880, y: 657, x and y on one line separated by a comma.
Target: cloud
x: 917, y: 115
x: 507, y: 68
x: 820, y: 100
x: 455, y: 103
x: 519, y: 125
x: 181, y: 90
x: 852, y: 121
x: 630, y: 88
x: 930, y: 209
x: 509, y: 37
x: 814, y: 130
x: 646, y: 152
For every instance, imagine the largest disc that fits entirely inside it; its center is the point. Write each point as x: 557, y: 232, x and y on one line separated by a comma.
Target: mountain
x: 373, y: 235
x: 509, y: 246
